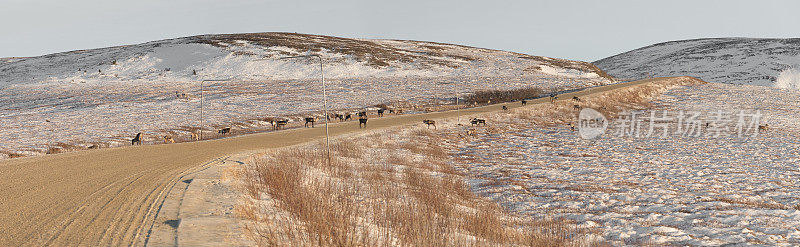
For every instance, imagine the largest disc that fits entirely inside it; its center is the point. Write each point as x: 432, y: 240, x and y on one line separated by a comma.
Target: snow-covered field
x: 700, y: 191
x: 105, y: 96
x: 34, y: 118
x: 723, y: 60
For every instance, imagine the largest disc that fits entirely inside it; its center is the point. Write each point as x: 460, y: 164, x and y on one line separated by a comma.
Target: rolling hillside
x: 724, y: 60
x: 257, y: 56
x: 101, y: 97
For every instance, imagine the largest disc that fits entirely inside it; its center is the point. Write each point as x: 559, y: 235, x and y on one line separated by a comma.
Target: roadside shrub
x: 500, y: 96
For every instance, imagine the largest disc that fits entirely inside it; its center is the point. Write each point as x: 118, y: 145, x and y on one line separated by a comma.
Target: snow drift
x: 788, y: 79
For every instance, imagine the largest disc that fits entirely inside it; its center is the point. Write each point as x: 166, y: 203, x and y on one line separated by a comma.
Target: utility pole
x: 324, y: 103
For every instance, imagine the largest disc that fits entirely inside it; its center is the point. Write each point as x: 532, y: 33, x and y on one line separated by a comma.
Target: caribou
x: 279, y: 123
x: 477, y: 121
x: 362, y: 121
x: 137, y: 140
x: 224, y: 131
x: 310, y: 120
x: 429, y: 122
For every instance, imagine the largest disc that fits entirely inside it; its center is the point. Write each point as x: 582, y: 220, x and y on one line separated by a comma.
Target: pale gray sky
x: 584, y: 30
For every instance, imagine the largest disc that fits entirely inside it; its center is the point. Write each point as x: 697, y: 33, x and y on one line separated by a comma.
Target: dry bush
x: 403, y: 190
x: 389, y: 194
x: 10, y: 155
x: 61, y: 147
x: 499, y: 96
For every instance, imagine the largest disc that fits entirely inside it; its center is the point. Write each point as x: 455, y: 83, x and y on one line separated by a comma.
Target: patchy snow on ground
x: 698, y: 191
x: 34, y: 118
x: 749, y: 61
x: 788, y: 79
x: 102, y: 97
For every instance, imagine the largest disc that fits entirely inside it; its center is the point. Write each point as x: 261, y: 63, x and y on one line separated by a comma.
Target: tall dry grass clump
x: 500, y: 96
x: 396, y: 188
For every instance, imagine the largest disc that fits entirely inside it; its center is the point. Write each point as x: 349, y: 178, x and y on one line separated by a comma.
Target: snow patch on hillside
x: 103, y: 96
x: 722, y: 60
x: 572, y: 73
x: 788, y: 79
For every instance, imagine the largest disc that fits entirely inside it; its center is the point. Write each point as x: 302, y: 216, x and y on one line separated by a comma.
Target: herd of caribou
x: 279, y: 123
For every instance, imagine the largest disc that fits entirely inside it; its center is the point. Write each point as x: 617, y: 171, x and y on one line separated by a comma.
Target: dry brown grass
x: 403, y: 189
x: 10, y: 154
x: 753, y: 204
x: 609, y: 103
x: 373, y: 53
x: 499, y: 96
x: 399, y: 190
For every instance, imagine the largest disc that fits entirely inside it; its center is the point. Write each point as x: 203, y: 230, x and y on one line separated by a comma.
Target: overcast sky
x: 583, y: 30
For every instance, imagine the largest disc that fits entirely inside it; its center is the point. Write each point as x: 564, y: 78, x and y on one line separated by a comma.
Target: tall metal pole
x: 325, y: 108
x: 201, y: 109
x: 324, y: 104
x: 458, y: 110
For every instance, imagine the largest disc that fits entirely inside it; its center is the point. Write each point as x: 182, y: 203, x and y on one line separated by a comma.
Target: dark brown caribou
x: 362, y: 121
x: 477, y: 121
x: 310, y: 120
x: 137, y: 140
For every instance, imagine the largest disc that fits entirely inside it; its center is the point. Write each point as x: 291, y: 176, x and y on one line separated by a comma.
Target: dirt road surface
x: 111, y: 196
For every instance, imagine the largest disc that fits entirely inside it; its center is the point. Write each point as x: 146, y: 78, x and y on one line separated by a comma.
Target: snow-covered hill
x: 257, y: 56
x: 102, y: 97
x: 724, y: 60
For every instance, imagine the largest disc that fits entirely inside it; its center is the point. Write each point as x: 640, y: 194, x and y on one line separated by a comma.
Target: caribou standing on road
x: 137, y: 140
x: 279, y: 123
x: 310, y: 120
